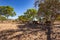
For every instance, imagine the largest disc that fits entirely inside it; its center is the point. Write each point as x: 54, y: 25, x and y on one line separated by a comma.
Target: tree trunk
x: 49, y: 33
x: 48, y: 27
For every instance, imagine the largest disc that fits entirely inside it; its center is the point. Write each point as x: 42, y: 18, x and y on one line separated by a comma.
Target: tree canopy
x: 28, y: 15
x: 48, y: 8
x: 7, y: 11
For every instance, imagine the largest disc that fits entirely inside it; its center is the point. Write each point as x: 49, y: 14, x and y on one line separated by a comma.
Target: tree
x: 7, y: 11
x: 22, y: 18
x: 30, y: 14
x: 50, y: 10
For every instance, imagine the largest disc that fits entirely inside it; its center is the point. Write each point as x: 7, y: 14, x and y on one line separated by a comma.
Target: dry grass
x: 10, y: 31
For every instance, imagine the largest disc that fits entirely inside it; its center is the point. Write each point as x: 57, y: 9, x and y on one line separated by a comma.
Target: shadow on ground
x: 22, y: 30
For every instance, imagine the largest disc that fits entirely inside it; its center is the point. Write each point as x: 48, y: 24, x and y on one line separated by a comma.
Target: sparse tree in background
x: 50, y: 10
x: 28, y: 15
x: 22, y: 18
x: 7, y: 11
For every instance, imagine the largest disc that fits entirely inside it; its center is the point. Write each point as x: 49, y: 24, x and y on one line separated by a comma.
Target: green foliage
x: 7, y: 11
x: 22, y: 18
x: 28, y: 15
x: 2, y: 18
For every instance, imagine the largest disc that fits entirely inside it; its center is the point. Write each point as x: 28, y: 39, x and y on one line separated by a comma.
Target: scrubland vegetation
x: 41, y: 24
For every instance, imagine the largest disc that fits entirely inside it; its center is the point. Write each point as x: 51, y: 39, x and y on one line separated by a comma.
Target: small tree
x: 7, y: 11
x: 28, y: 15
x: 22, y: 18
x: 31, y: 14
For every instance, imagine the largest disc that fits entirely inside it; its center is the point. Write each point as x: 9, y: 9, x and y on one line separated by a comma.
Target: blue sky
x: 20, y: 6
